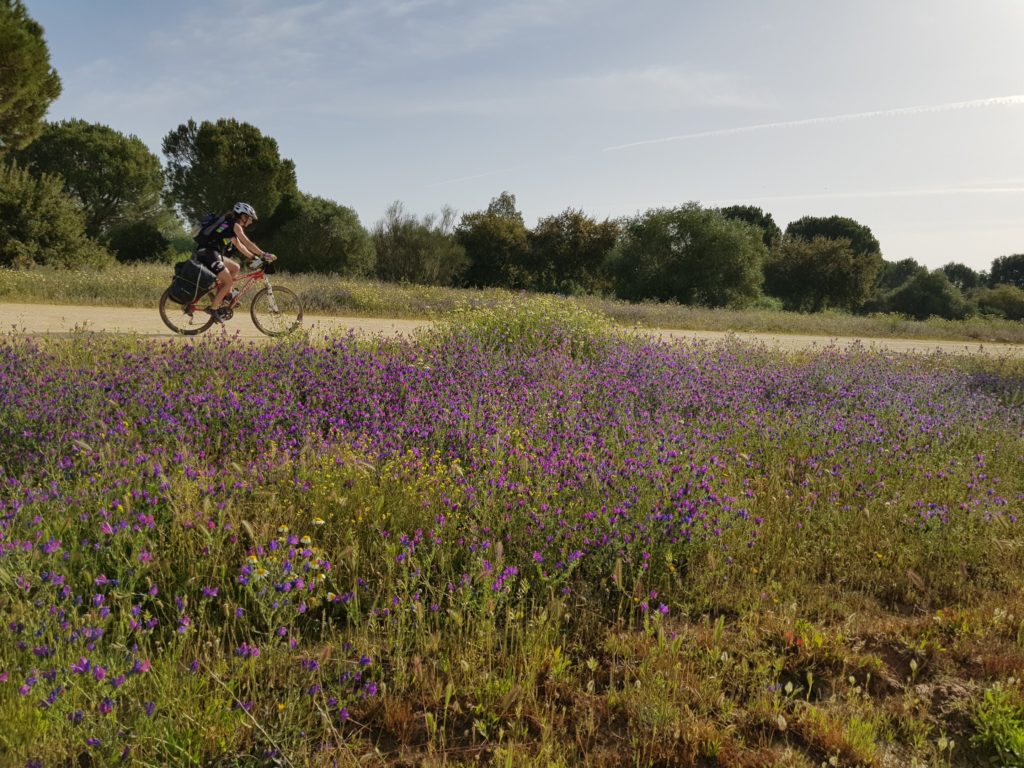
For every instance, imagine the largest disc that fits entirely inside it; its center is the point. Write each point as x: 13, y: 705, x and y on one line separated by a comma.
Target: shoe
x: 215, y: 314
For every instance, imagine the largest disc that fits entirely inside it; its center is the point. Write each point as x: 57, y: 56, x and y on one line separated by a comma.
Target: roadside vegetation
x: 521, y: 538
x: 140, y: 285
x: 86, y: 198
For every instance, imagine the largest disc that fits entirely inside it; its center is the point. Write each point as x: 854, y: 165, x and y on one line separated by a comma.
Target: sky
x: 905, y: 115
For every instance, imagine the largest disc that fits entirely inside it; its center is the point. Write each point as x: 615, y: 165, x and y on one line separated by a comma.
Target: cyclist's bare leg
x: 225, y: 280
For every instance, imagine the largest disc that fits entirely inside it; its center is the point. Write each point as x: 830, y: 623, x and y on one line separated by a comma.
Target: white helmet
x: 245, y: 208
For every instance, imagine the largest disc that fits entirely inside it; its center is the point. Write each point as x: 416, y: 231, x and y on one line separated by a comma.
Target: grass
x: 141, y: 286
x: 520, y: 539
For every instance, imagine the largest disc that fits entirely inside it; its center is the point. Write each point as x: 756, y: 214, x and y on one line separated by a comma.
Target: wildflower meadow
x: 519, y: 539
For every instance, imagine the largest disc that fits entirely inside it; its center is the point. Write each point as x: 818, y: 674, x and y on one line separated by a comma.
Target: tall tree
x: 495, y: 240
x: 751, y: 214
x: 115, y: 178
x: 40, y: 224
x: 567, y: 252
x: 1008, y: 270
x: 825, y: 262
x: 822, y: 273
x: 962, y: 276
x: 418, y: 251
x: 210, y: 166
x: 691, y: 255
x: 28, y: 84
x: 894, y: 274
x: 862, y: 241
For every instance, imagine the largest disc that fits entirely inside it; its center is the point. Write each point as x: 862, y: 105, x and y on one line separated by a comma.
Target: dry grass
x: 141, y: 285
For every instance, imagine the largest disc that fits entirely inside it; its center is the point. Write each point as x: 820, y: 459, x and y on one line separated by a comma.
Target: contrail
x: 998, y: 101
x: 1016, y: 189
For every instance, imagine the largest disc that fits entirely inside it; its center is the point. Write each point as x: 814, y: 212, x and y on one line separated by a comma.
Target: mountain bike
x: 275, y: 311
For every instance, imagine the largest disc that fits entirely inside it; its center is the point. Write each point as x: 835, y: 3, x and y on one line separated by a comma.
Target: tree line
x: 74, y: 193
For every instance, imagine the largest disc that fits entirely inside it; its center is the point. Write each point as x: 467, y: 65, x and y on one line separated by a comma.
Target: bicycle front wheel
x: 276, y: 311
x: 186, y: 319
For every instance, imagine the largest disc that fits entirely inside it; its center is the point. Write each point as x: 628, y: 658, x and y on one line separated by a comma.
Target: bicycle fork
x: 270, y: 296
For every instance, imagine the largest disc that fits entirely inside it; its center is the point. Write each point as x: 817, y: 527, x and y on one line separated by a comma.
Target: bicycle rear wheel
x: 276, y: 311
x: 186, y: 319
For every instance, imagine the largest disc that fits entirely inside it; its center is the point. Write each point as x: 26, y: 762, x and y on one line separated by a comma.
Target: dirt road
x: 39, y: 319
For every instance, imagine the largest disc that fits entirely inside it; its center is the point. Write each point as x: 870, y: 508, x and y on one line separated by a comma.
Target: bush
x: 323, y: 236
x: 928, y: 294
x: 140, y: 241
x: 423, y: 252
x: 1003, y: 300
x: 537, y: 324
x: 690, y: 255
x: 40, y: 224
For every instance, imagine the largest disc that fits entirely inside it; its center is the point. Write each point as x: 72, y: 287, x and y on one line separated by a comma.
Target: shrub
x: 999, y: 721
x: 1003, y: 300
x: 690, y: 255
x: 928, y: 294
x: 423, y: 252
x: 140, y: 241
x: 543, y: 323
x: 323, y: 236
x: 40, y: 224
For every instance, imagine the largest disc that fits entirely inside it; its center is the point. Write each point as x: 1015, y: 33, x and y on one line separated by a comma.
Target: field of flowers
x: 519, y: 540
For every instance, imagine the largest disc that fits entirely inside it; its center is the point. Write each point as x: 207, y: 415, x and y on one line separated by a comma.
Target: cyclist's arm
x: 248, y: 248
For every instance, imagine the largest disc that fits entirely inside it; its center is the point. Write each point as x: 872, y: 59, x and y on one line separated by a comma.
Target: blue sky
x: 907, y: 115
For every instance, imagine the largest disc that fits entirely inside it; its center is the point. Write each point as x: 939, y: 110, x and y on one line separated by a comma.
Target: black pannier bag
x: 191, y: 280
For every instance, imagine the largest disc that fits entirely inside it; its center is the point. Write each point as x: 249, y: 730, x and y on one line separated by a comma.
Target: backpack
x: 202, y: 232
x: 191, y: 280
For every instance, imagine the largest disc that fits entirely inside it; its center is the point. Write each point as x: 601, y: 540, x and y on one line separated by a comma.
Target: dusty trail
x: 51, y: 319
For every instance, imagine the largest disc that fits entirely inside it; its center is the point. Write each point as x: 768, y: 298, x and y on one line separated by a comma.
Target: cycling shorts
x: 211, y: 259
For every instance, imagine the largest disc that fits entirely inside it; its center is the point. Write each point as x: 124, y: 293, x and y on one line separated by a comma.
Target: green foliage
x: 751, y: 214
x: 893, y: 275
x: 423, y: 252
x: 928, y: 294
x: 963, y: 277
x: 861, y: 240
x: 210, y: 166
x: 813, y: 275
x: 322, y: 236
x: 115, y: 178
x: 28, y: 84
x: 691, y: 255
x: 568, y: 251
x: 140, y: 241
x: 496, y: 243
x: 999, y: 720
x: 40, y: 224
x: 538, y: 324
x: 1008, y: 270
x: 1003, y: 300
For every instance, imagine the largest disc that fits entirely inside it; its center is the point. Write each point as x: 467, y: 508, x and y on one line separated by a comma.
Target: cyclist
x: 228, y: 236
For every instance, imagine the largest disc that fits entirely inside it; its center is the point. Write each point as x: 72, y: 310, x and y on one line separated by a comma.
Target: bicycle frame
x: 246, y: 281
x: 241, y: 286
x: 266, y: 311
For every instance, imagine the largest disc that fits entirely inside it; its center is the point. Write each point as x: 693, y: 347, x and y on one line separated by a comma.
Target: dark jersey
x: 222, y: 236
